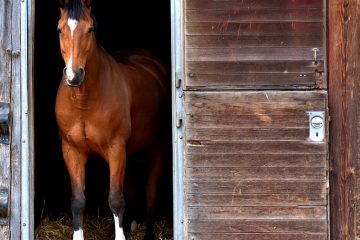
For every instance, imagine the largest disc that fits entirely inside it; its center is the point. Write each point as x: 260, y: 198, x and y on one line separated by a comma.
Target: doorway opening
x: 121, y: 26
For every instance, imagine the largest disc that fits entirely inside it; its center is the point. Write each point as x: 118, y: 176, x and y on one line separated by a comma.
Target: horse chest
x: 92, y: 130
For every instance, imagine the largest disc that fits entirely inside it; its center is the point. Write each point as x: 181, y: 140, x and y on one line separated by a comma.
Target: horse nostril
x: 81, y: 72
x: 64, y: 71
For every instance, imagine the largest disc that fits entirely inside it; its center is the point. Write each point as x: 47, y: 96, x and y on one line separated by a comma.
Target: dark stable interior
x: 121, y: 25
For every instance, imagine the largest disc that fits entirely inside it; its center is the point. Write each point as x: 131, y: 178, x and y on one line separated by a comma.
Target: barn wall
x: 251, y: 171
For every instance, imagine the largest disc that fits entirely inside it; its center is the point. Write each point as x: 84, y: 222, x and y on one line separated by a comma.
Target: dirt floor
x: 97, y: 227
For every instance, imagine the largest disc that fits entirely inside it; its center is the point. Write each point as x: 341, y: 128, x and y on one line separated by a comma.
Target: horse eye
x: 91, y: 29
x: 59, y: 30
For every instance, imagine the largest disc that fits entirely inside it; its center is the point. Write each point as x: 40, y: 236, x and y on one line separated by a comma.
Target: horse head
x: 77, y: 39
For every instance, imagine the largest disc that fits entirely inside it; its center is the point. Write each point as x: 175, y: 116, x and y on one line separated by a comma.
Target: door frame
x: 177, y: 127
x: 26, y: 120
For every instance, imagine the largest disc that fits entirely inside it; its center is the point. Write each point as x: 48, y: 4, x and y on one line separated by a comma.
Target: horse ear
x: 63, y: 3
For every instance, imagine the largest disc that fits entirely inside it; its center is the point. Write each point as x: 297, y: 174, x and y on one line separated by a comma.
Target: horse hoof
x: 133, y: 226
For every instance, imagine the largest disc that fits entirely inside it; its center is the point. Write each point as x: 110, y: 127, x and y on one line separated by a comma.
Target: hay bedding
x: 97, y: 227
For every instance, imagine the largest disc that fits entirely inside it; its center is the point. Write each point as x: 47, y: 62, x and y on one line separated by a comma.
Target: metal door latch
x: 315, y: 51
x: 317, y: 126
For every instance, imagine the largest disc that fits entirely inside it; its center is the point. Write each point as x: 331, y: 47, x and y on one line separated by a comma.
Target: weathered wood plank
x: 234, y: 41
x: 252, y: 79
x: 253, y: 67
x: 258, y: 124
x: 239, y: 199
x: 252, y: 54
x: 264, y: 173
x: 257, y: 187
x: 256, y: 160
x: 250, y: 4
x: 259, y: 29
x: 254, y: 147
x: 258, y: 226
x: 254, y: 15
x: 5, y: 96
x: 276, y: 108
x: 15, y: 221
x: 259, y: 236
x: 248, y: 134
x: 254, y: 212
x: 255, y: 97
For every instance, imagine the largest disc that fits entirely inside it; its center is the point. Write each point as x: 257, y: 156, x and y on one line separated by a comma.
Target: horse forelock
x: 75, y: 10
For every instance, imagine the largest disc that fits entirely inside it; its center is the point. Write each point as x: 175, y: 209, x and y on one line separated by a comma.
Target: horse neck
x: 91, y: 85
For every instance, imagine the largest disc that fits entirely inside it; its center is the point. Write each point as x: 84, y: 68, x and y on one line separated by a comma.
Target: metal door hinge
x: 177, y: 80
x: 179, y: 94
x: 4, y: 122
x: 179, y: 119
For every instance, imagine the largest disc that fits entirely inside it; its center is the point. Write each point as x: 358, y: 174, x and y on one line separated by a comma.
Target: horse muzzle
x: 74, y: 79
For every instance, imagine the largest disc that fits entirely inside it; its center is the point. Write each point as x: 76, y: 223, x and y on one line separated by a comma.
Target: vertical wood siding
x: 5, y: 96
x: 254, y: 44
x: 250, y: 170
x: 344, y: 96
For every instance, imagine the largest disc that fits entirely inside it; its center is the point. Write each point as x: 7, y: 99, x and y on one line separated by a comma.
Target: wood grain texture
x: 344, y: 69
x: 249, y: 163
x: 253, y: 187
x: 259, y: 236
x: 5, y: 96
x: 261, y: 37
x: 16, y: 140
x: 250, y: 4
x: 258, y: 226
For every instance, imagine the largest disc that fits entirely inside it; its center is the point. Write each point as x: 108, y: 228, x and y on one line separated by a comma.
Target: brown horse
x: 106, y: 108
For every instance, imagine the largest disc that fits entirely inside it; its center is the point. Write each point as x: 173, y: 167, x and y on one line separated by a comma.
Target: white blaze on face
x: 72, y: 23
x: 119, y: 232
x: 78, y: 235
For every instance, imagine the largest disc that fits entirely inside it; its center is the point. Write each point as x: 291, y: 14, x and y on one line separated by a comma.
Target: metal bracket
x: 4, y: 205
x: 177, y: 80
x: 179, y: 119
x: 4, y: 123
x: 317, y: 126
x: 179, y: 93
x: 315, y: 50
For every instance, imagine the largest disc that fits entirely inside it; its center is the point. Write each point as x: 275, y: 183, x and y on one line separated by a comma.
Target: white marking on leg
x: 72, y: 23
x: 78, y: 235
x: 119, y: 232
x: 133, y: 225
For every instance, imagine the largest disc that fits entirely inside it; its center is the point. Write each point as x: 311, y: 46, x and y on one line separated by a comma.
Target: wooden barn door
x: 255, y: 120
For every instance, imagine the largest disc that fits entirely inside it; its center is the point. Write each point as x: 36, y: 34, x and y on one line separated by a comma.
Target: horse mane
x: 75, y: 9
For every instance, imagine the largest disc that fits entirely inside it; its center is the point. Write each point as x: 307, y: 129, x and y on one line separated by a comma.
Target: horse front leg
x: 75, y: 162
x: 117, y: 163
